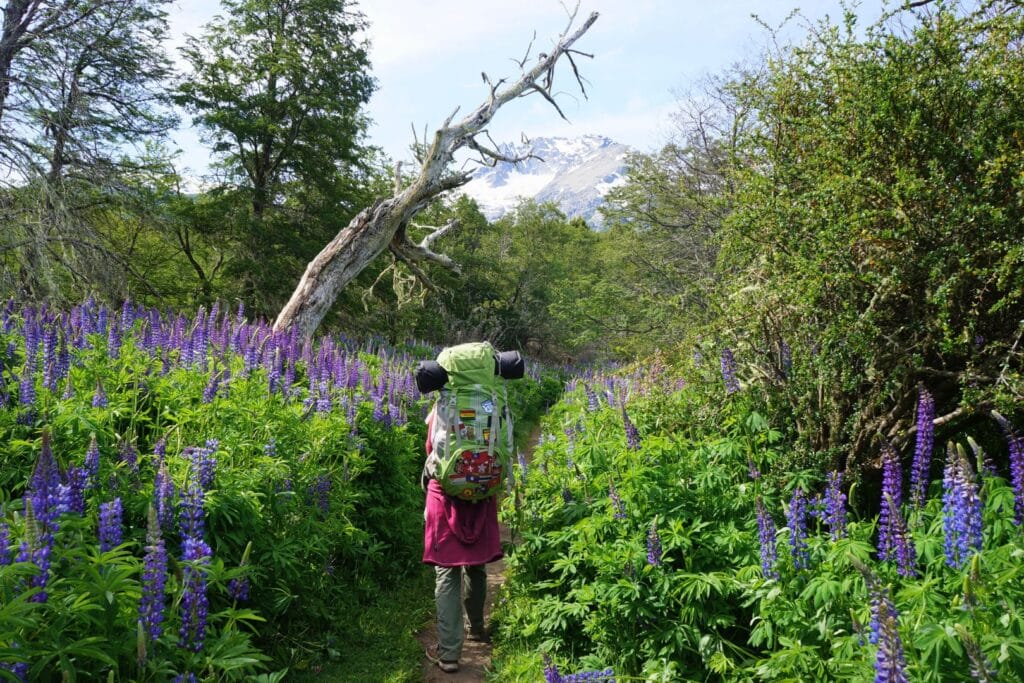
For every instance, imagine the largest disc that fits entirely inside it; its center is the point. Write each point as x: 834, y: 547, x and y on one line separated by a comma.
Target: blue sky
x: 427, y: 56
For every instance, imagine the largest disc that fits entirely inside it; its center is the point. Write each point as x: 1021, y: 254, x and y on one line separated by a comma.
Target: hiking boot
x: 444, y: 665
x: 480, y: 636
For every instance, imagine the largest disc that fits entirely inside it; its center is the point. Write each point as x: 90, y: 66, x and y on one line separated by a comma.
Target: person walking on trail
x: 469, y: 445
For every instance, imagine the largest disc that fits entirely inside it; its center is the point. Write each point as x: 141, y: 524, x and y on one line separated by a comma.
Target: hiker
x: 469, y: 442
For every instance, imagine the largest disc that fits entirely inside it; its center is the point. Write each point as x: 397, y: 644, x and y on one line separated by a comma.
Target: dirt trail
x: 476, y: 657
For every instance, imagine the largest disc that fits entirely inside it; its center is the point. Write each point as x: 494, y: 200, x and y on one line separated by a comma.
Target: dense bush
x: 665, y: 533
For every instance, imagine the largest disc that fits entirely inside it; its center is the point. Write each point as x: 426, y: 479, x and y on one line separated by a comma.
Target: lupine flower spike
x: 923, y: 448
x: 961, y: 509
x: 797, y: 520
x: 1015, y: 442
x: 766, y: 535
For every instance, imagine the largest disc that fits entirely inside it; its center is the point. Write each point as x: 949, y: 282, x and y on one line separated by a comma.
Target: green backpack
x: 471, y: 441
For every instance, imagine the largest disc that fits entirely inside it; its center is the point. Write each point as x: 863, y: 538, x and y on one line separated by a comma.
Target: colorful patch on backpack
x: 475, y: 475
x: 467, y: 414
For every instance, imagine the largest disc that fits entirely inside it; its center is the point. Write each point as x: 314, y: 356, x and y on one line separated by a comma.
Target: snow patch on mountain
x: 574, y: 173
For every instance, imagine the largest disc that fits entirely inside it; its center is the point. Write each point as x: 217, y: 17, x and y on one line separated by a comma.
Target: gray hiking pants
x: 455, y: 589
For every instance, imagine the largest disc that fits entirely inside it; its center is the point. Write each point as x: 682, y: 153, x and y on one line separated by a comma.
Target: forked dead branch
x: 383, y: 224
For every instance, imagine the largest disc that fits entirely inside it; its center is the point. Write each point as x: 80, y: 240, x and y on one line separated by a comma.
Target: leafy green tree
x: 82, y: 92
x: 278, y: 88
x: 879, y: 220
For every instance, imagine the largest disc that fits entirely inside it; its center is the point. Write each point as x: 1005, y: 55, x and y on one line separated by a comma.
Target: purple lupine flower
x: 835, y: 506
x: 72, y: 494
x: 961, y: 510
x: 19, y: 669
x: 982, y: 668
x: 592, y: 402
x: 114, y: 340
x: 522, y: 468
x: 36, y: 548
x: 320, y: 493
x: 566, y: 495
x: 110, y: 525
x: 154, y: 579
x: 923, y: 448
x: 129, y: 455
x: 766, y: 536
x: 204, y: 465
x: 5, y: 544
x: 238, y: 589
x: 617, y: 504
x: 901, y: 544
x: 196, y: 557
x: 187, y: 677
x: 1015, y: 443
x: 99, y: 398
x: 732, y: 385
x: 210, y: 392
x: 92, y: 462
x: 163, y: 496
x: 27, y: 395
x: 752, y: 470
x: 892, y: 490
x: 551, y: 674
x: 270, y: 449
x: 595, y: 676
x: 890, y: 663
x: 797, y: 520
x: 653, y: 545
x: 632, y: 436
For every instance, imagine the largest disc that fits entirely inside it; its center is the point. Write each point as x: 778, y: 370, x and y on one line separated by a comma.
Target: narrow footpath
x: 476, y: 657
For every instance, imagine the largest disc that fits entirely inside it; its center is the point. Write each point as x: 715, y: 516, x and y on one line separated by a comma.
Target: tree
x: 82, y: 84
x: 278, y: 88
x: 877, y: 226
x: 278, y: 85
x: 384, y: 224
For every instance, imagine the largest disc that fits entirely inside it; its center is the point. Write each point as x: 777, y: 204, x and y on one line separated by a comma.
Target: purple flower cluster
x: 154, y: 579
x: 164, y: 496
x: 196, y: 559
x: 110, y: 531
x: 320, y: 493
x: 961, y: 509
x: 618, y: 505
x: 923, y: 448
x: 732, y: 385
x: 892, y: 491
x: 99, y: 397
x: 632, y: 435
x: 92, y: 462
x: 204, y: 465
x: 653, y: 545
x: 1015, y: 443
x: 5, y: 544
x: 766, y: 536
x: 834, y: 513
x: 552, y: 675
x: 797, y: 521
x: 42, y: 506
x: 522, y: 467
x: 890, y: 662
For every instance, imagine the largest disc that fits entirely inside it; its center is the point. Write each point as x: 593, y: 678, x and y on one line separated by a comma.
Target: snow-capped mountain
x: 574, y: 173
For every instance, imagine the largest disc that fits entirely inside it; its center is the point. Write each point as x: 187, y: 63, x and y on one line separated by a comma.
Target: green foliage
x: 582, y: 586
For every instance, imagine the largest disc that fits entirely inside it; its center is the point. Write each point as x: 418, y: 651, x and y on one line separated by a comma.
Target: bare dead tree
x: 383, y: 225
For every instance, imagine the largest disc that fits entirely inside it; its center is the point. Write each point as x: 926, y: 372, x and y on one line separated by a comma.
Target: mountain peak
x: 575, y: 173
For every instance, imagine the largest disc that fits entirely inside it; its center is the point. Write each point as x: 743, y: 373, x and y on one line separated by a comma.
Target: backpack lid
x: 472, y: 363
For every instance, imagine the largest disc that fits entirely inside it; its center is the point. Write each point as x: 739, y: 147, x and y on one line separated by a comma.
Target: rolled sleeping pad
x: 430, y: 376
x: 510, y: 365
